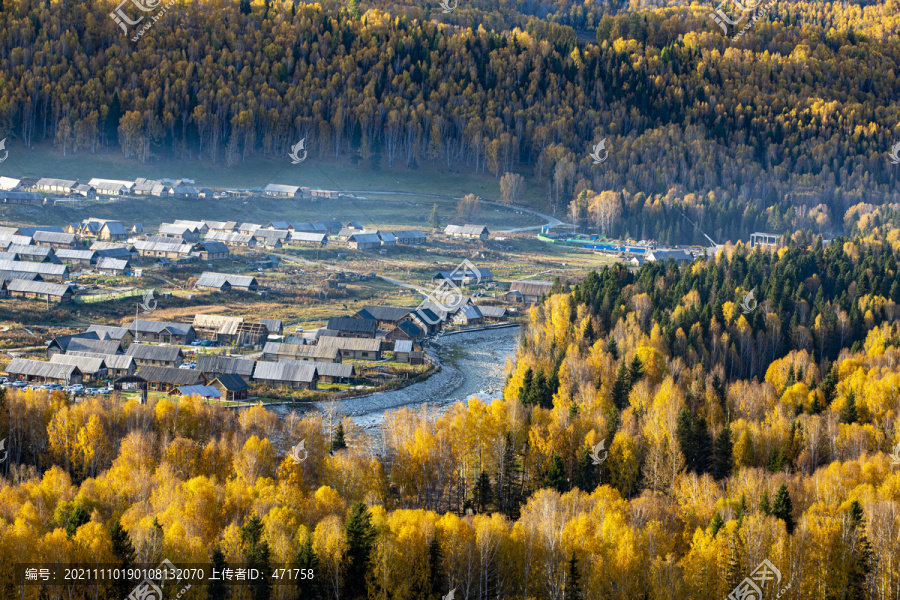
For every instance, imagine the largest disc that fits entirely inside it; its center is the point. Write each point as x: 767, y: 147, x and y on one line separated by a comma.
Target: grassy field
x: 379, y: 210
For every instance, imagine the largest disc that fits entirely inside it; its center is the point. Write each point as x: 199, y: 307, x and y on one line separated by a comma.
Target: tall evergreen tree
x: 244, y: 7
x: 635, y: 371
x: 733, y: 569
x: 848, y: 412
x: 620, y: 388
x: 525, y: 392
x: 308, y: 588
x: 719, y: 390
x: 218, y: 589
x: 436, y: 567
x: 613, y: 348
x: 258, y: 556
x: 360, y: 540
x: 585, y: 472
x: 589, y: 333
x: 482, y: 493
x: 556, y: 476
x: 703, y: 446
x: 338, y: 442
x: 765, y: 506
x: 434, y: 220
x: 741, y: 509
x: 861, y: 554
x: 829, y: 385
x: 716, y: 524
x: 684, y: 433
x: 123, y: 550
x: 723, y: 453
x: 572, y: 589
x: 507, y: 493
x: 77, y: 518
x: 783, y: 509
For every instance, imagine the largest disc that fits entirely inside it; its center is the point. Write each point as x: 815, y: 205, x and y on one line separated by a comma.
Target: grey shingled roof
x: 531, y: 288
x: 52, y: 237
x: 342, y: 370
x: 204, y: 391
x: 95, y: 346
x: 65, y: 254
x: 278, y: 188
x: 294, y: 371
x: 148, y: 352
x: 383, y: 313
x: 10, y: 275
x: 85, y: 364
x: 173, y: 246
x: 466, y: 229
x: 471, y: 312
x: 215, y: 280
x: 171, y: 375
x: 112, y: 361
x: 296, y: 350
x: 144, y: 326
x: 109, y: 332
x: 356, y: 344
x: 29, y: 252
x: 39, y: 368
x: 211, y: 364
x: 112, y: 264
x: 234, y: 238
x: 214, y: 247
x: 49, y: 181
x: 365, y: 238
x: 411, y: 329
x: 304, y: 236
x: 231, y: 382
x: 403, y: 346
x: 115, y: 228
x: 34, y: 267
x: 273, y: 325
x: 493, y: 311
x: 37, y: 287
x: 114, y: 253
x: 408, y: 234
x: 353, y: 325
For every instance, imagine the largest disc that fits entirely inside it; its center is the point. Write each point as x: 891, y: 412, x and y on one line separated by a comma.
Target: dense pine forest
x: 726, y: 436
x: 788, y: 128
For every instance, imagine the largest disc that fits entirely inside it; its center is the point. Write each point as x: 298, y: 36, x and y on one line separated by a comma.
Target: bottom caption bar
x: 150, y: 578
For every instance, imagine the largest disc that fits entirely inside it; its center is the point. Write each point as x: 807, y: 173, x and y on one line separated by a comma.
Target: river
x: 472, y: 364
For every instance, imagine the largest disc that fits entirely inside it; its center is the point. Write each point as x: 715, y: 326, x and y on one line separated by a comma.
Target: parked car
x: 196, y: 343
x: 91, y: 391
x: 4, y: 379
x: 18, y: 384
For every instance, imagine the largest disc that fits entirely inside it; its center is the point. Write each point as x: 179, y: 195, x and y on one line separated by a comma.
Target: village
x: 231, y: 358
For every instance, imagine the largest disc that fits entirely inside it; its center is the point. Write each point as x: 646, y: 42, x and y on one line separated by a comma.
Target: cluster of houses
x: 34, y: 261
x: 276, y: 234
x: 97, y: 187
x: 149, y: 353
x: 34, y: 190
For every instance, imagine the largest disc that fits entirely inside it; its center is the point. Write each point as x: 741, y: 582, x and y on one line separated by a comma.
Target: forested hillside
x: 725, y: 438
x: 787, y: 128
